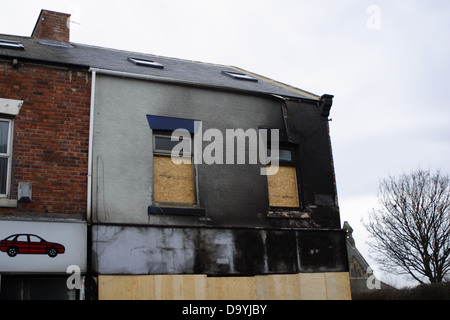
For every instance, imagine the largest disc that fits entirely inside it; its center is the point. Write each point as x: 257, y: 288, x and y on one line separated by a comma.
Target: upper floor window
x: 173, y: 182
x: 283, y: 186
x: 5, y: 155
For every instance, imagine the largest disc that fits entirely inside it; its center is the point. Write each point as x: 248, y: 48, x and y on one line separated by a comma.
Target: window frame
x: 146, y: 63
x: 240, y: 76
x: 8, y: 44
x: 8, y: 155
x: 163, y: 152
x: 168, y: 153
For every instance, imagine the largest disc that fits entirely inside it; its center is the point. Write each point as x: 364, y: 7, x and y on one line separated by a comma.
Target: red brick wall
x: 51, y: 137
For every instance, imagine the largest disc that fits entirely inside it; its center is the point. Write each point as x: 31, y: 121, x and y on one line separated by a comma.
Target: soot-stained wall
x: 229, y: 194
x: 232, y: 230
x: 212, y: 251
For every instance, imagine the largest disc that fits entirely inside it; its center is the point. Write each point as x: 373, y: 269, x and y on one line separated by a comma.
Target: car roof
x: 23, y: 234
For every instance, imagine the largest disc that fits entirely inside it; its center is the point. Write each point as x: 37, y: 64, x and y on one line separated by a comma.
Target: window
x: 173, y: 182
x: 163, y: 144
x: 240, y: 76
x: 5, y: 155
x: 146, y: 63
x: 11, y: 44
x: 22, y: 238
x: 34, y: 238
x: 283, y: 186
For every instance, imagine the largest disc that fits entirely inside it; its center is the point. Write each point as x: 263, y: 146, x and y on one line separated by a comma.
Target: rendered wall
x: 304, y: 286
x: 231, y: 194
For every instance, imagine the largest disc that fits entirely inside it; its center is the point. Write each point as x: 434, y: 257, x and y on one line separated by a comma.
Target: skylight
x: 146, y: 63
x: 11, y: 44
x: 239, y: 76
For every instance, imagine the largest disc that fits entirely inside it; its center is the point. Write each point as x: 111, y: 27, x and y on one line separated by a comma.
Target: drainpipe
x: 89, y: 285
x: 91, y: 140
x: 285, y: 113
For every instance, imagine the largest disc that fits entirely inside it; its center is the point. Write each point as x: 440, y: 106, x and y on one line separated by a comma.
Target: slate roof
x: 117, y: 60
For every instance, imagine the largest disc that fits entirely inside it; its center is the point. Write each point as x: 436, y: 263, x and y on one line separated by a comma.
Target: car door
x: 37, y: 245
x: 21, y: 243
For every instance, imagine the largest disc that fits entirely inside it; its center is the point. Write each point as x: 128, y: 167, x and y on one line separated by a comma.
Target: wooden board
x: 172, y: 182
x: 304, y: 286
x: 283, y: 188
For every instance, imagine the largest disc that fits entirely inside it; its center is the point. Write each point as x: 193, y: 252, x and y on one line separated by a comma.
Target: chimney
x: 52, y: 27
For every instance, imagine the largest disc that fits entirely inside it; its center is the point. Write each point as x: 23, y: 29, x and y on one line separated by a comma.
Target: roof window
x: 11, y: 44
x: 146, y: 63
x: 240, y: 76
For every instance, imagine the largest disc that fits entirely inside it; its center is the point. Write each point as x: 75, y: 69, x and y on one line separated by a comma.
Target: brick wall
x: 51, y: 137
x: 52, y: 26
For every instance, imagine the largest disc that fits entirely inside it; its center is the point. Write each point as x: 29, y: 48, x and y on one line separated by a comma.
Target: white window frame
x: 163, y: 152
x: 8, y: 155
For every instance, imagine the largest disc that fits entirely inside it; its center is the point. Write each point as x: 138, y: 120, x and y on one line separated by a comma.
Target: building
x: 213, y: 227
x: 44, y: 120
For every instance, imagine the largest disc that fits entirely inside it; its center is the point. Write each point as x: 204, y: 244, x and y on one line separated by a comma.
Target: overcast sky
x: 386, y: 62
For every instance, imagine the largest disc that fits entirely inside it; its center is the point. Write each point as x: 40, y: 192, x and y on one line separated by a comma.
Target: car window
x: 10, y: 238
x: 22, y: 238
x: 34, y: 239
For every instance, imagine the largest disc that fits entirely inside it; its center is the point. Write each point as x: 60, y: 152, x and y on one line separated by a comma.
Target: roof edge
x: 146, y: 77
x: 280, y: 84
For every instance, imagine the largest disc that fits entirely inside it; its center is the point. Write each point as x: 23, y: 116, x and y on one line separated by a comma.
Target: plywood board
x: 232, y: 288
x: 313, y: 286
x: 172, y: 182
x: 304, y: 286
x: 278, y: 287
x: 283, y: 188
x: 152, y: 287
x: 338, y: 286
x: 126, y: 288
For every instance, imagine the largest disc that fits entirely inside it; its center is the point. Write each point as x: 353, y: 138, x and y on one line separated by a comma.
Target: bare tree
x: 411, y: 230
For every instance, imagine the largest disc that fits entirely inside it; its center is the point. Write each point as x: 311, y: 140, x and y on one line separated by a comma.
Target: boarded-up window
x: 173, y: 183
x: 283, y: 188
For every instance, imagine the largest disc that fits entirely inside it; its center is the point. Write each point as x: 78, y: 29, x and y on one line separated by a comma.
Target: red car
x: 29, y: 244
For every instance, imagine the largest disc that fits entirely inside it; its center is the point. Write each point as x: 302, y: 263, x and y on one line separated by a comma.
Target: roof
x: 206, y: 74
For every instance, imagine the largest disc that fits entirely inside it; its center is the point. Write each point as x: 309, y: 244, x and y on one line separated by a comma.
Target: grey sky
x: 391, y: 112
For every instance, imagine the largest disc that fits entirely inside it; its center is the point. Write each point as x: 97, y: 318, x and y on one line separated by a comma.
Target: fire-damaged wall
x: 213, y: 251
x: 227, y: 194
x: 204, y: 221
